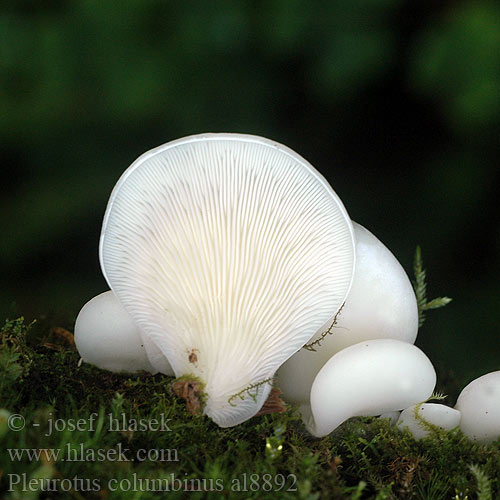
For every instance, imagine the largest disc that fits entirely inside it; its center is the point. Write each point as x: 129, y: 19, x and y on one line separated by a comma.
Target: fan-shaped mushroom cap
x: 415, y: 418
x: 368, y: 379
x: 106, y: 337
x: 229, y: 251
x: 479, y: 404
x: 380, y: 304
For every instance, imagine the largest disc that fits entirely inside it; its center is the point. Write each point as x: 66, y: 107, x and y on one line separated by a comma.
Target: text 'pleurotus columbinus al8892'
x: 228, y: 252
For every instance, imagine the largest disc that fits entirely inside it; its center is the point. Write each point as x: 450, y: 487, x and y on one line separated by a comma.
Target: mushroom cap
x: 479, y: 404
x: 368, y: 379
x: 435, y: 414
x: 380, y: 304
x: 228, y: 251
x: 106, y: 337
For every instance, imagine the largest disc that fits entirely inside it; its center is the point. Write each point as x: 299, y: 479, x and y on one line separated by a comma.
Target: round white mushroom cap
x: 380, y: 304
x: 106, y: 337
x: 479, y: 404
x: 368, y: 379
x: 417, y: 418
x: 229, y: 252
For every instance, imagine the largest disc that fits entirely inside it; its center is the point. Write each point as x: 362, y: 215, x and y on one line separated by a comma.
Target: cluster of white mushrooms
x: 232, y: 263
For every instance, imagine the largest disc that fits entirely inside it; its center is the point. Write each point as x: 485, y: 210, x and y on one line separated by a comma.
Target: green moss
x: 363, y: 459
x: 248, y: 391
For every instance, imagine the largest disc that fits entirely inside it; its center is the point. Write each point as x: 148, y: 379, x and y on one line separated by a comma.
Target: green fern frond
x: 358, y: 490
x: 419, y: 284
x: 436, y: 303
x: 420, y: 288
x: 483, y: 483
x: 436, y: 396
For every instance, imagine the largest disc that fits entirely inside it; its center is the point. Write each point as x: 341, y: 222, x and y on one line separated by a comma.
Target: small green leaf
x: 420, y: 288
x: 436, y: 303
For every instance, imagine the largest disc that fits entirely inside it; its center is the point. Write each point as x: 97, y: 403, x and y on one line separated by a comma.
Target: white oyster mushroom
x: 417, y: 416
x: 380, y: 304
x: 368, y: 379
x: 229, y: 252
x: 106, y: 337
x: 479, y: 404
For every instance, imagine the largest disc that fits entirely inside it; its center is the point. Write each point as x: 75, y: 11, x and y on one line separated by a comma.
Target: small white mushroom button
x: 417, y: 416
x: 368, y: 379
x: 106, y: 337
x: 479, y: 404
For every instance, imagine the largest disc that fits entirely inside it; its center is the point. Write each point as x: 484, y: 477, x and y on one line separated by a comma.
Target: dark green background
x: 396, y: 103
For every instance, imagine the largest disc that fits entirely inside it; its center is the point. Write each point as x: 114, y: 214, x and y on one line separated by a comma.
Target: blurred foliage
x: 396, y: 103
x: 458, y: 63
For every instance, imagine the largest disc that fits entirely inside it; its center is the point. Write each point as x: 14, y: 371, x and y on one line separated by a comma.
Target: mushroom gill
x: 229, y: 252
